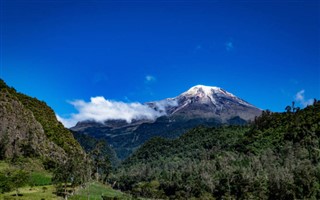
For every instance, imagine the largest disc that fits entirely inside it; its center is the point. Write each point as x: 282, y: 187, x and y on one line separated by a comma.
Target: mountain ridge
x: 200, y: 105
x: 214, y: 98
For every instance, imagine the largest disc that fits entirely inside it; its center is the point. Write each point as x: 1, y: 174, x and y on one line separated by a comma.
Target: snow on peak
x: 206, y: 90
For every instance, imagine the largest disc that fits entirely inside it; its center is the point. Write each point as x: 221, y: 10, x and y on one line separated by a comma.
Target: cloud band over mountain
x: 100, y: 109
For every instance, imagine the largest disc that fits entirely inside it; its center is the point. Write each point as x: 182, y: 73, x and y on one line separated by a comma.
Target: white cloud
x: 100, y: 109
x: 229, y: 46
x: 301, y: 99
x: 150, y: 78
x: 66, y: 122
x: 163, y: 104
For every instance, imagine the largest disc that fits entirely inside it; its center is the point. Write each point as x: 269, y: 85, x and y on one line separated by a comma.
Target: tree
x: 19, y: 179
x: 5, y: 182
x: 61, y: 176
x: 13, y: 180
x: 74, y: 171
x: 101, y: 163
x: 315, y: 101
x: 288, y: 109
x: 293, y: 108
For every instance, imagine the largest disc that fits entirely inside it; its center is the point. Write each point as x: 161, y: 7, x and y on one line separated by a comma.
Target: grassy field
x: 37, y: 192
x: 96, y: 190
x: 40, y: 186
x: 40, y: 179
x: 39, y: 183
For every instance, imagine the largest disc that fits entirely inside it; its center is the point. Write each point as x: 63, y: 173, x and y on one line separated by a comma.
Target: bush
x: 12, y: 180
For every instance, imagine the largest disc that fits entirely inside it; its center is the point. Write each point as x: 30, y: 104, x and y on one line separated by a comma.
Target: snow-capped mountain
x: 200, y: 105
x: 206, y: 102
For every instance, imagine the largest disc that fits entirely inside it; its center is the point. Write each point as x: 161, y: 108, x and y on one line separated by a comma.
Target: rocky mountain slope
x: 200, y: 105
x: 207, y: 102
x: 29, y: 128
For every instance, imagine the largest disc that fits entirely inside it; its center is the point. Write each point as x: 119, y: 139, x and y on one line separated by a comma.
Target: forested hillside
x: 42, y: 113
x: 90, y: 144
x: 33, y: 143
x: 276, y: 157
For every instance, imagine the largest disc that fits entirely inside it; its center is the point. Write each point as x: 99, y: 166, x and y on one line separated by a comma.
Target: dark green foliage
x: 89, y: 143
x: 28, y: 150
x: 277, y: 157
x: 54, y: 130
x: 100, y: 162
x: 12, y: 180
x: 272, y: 130
x: 50, y: 164
x: 74, y: 171
x: 6, y: 184
x: 19, y: 179
x: 125, y: 144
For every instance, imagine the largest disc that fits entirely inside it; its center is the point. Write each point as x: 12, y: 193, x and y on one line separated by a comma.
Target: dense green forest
x: 276, y: 157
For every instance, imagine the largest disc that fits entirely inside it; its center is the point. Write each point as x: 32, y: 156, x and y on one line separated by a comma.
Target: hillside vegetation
x: 43, y: 114
x: 277, y: 157
x: 90, y: 143
x: 29, y: 134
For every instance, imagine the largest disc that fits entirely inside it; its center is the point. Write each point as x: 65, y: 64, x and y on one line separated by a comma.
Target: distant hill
x: 200, y: 105
x: 29, y: 128
x: 276, y: 157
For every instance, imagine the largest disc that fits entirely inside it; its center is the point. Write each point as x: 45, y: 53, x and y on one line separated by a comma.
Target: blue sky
x: 137, y: 51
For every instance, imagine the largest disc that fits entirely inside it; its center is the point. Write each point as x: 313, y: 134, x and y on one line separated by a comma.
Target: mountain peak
x: 210, y: 101
x: 204, y: 86
x: 203, y: 90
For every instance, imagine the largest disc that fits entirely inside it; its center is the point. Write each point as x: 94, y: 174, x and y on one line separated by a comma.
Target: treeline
x: 276, y: 157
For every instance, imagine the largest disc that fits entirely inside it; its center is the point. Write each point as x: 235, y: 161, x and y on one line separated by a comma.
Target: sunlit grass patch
x: 96, y: 191
x: 29, y: 193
